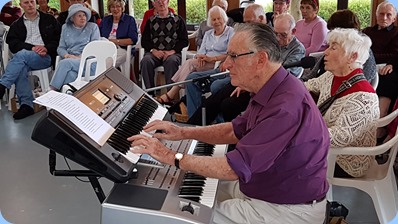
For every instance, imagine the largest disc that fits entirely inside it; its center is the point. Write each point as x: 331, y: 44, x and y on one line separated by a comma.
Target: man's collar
x: 388, y: 28
x: 265, y: 93
x: 37, y: 16
x: 170, y: 14
x: 290, y: 44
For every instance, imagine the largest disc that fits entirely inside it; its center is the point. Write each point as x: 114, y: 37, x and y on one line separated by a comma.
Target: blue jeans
x: 66, y: 72
x: 17, y: 72
x: 194, y: 92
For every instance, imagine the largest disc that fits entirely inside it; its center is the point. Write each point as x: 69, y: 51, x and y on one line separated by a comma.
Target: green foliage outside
x: 360, y: 7
x: 196, y: 9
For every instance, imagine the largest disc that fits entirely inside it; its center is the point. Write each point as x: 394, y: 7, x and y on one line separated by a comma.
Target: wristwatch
x: 177, y: 158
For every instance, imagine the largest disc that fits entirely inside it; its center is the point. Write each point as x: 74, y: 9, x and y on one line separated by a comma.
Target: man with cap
x: 280, y: 6
x: 63, y: 15
x: 76, y: 34
x: 33, y: 39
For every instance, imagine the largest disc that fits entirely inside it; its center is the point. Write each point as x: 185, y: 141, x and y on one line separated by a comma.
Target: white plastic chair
x: 301, y: 73
x: 42, y: 74
x: 6, y: 49
x: 4, y: 56
x: 379, y: 181
x: 102, y: 51
x: 125, y: 67
x: 160, y: 68
x: 317, y: 54
x: 375, y: 82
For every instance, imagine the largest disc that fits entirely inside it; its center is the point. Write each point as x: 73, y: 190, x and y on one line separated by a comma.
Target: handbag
x: 343, y: 87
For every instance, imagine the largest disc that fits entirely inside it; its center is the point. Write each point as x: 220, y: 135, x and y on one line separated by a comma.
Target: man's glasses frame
x: 235, y: 56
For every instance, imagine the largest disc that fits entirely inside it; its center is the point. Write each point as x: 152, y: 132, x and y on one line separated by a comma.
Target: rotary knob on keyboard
x: 188, y: 208
x: 118, y: 97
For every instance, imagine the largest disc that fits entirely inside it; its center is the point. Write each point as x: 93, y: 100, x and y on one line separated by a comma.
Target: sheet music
x: 79, y: 114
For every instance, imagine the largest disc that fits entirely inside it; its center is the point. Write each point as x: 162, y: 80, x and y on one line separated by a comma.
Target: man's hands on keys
x: 165, y: 130
x: 145, y: 144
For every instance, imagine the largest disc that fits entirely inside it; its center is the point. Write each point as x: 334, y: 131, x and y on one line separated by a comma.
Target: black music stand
x: 92, y: 176
x: 204, y: 84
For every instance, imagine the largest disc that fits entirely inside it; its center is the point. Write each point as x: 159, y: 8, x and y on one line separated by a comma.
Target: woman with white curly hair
x: 349, y: 113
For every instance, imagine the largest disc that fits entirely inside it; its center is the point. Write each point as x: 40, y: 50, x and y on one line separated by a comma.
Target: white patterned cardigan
x: 351, y: 122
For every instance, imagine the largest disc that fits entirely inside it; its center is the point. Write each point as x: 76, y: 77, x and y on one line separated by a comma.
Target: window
x: 363, y: 9
x: 196, y: 11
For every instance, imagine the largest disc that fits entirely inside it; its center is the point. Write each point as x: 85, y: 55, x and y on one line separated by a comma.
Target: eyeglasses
x: 281, y: 35
x: 116, y: 6
x: 235, y: 56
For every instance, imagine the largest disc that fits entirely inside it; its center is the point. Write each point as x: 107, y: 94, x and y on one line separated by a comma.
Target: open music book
x: 79, y: 114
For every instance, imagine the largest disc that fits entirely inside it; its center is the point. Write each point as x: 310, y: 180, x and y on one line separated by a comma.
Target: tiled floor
x: 30, y: 195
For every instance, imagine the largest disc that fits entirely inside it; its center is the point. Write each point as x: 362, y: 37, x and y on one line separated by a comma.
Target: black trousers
x: 221, y: 103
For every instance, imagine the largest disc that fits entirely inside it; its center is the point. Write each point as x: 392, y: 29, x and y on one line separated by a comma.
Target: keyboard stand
x: 92, y: 176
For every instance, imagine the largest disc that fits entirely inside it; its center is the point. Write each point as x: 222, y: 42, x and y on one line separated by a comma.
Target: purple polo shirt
x: 281, y: 156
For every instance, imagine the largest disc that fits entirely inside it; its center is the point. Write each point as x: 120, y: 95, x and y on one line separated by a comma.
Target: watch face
x: 179, y: 156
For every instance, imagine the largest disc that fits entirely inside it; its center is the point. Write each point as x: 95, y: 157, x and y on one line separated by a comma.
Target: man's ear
x: 293, y: 31
x: 262, y: 18
x: 263, y: 58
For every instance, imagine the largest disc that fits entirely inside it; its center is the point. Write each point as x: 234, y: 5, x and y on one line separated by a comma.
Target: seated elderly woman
x: 75, y: 35
x: 213, y: 48
x: 343, y: 19
x: 351, y: 116
x: 311, y: 30
x: 119, y: 28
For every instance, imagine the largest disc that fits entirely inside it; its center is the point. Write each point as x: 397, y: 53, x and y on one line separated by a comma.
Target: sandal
x: 162, y: 101
x: 183, y: 116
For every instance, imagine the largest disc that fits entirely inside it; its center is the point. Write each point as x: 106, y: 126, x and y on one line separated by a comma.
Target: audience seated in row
x: 119, y: 28
x: 76, y: 33
x: 33, y: 49
x: 164, y: 36
x: 231, y: 106
x: 213, y: 49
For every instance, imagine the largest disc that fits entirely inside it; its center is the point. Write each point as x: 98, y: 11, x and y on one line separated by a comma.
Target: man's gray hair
x: 385, y: 4
x: 261, y: 38
x: 257, y: 9
x: 214, y: 9
x: 223, y: 1
x: 352, y: 41
x: 288, y: 17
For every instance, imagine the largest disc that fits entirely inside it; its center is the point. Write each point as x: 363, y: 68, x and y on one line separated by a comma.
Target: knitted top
x: 350, y: 120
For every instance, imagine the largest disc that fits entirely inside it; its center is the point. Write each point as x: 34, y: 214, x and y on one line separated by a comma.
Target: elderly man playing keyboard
x: 278, y: 169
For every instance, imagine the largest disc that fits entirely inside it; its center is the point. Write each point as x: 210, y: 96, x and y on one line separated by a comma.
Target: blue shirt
x: 281, y: 156
x: 127, y: 28
x: 211, y: 46
x: 73, y: 40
